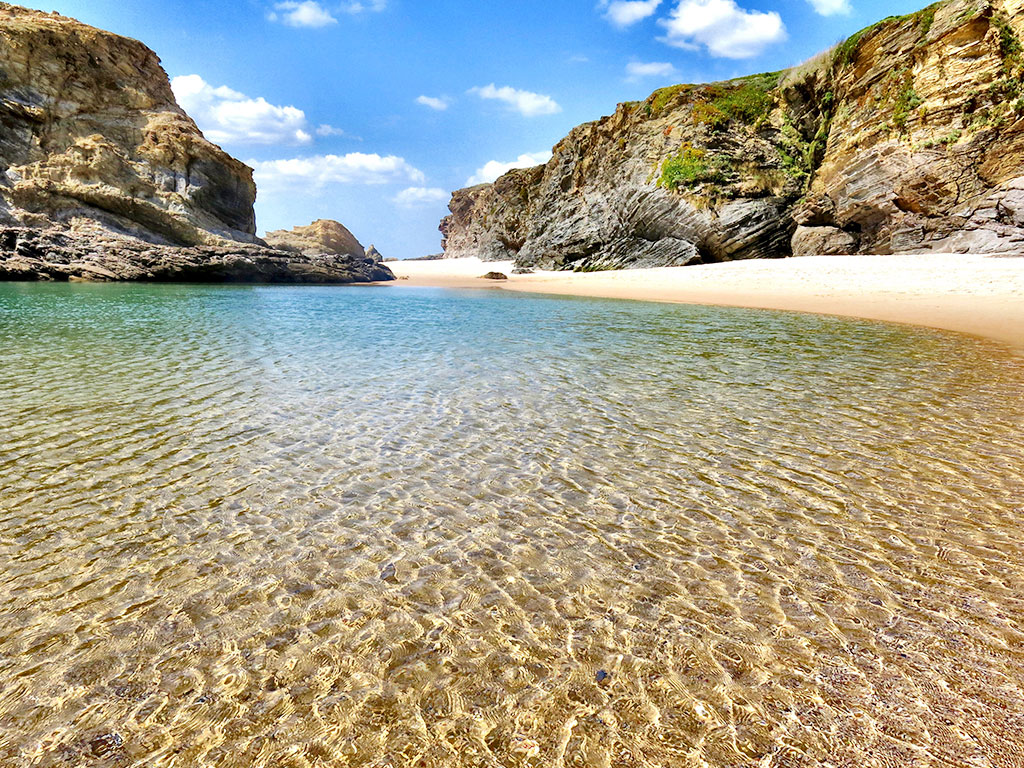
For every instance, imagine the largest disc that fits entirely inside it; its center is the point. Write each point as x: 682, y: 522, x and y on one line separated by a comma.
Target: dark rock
x: 494, y: 276
x: 522, y: 271
x: 105, y: 744
x: 602, y: 676
x: 53, y: 254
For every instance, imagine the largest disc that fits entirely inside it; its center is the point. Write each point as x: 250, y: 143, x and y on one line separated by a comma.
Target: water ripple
x: 337, y: 527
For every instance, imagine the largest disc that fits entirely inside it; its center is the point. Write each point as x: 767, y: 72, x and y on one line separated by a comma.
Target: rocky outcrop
x: 374, y: 254
x: 907, y: 137
x: 89, y: 128
x: 103, y: 176
x: 61, y: 254
x: 322, y: 236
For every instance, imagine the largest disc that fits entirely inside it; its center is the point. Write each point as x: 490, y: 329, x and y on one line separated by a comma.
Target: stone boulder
x: 322, y: 236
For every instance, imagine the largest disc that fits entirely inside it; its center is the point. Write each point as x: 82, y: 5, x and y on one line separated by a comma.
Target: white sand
x: 979, y: 295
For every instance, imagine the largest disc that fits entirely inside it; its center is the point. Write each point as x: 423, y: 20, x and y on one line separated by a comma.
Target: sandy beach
x: 978, y: 295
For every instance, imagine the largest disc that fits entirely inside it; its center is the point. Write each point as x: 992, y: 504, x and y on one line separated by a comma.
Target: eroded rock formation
x: 54, y: 254
x: 908, y: 137
x: 103, y: 176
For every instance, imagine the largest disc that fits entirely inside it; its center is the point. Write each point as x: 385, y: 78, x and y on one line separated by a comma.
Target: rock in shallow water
x: 105, y: 744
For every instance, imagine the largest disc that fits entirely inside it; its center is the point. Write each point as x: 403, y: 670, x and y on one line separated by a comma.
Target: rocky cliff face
x: 89, y: 129
x: 322, y: 236
x: 907, y: 137
x: 103, y: 176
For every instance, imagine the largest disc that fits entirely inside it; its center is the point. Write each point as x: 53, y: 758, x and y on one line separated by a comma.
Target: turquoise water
x: 395, y: 526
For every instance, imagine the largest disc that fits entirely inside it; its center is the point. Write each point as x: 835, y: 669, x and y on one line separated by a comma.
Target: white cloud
x: 358, y: 7
x: 525, y: 102
x: 440, y: 104
x: 640, y: 69
x: 832, y: 7
x: 226, y: 116
x: 496, y: 168
x: 302, y: 14
x: 624, y: 13
x: 412, y: 197
x: 321, y: 170
x: 722, y: 27
x: 329, y: 130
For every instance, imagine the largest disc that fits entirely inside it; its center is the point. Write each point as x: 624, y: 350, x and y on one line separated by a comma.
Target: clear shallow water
x: 330, y: 527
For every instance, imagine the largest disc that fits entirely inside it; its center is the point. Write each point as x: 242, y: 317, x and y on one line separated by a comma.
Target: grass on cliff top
x: 661, y: 98
x: 747, y: 100
x: 846, y: 51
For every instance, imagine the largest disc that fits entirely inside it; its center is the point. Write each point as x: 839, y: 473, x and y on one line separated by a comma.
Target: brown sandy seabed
x: 781, y: 624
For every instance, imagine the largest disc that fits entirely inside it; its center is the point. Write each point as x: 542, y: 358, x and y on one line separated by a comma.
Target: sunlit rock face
x: 104, y: 177
x: 322, y: 236
x: 905, y: 138
x: 91, y: 131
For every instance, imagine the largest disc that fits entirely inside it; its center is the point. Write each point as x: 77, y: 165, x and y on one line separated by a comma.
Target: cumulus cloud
x: 412, y: 197
x: 495, y: 168
x: 527, y: 103
x: 321, y: 170
x: 440, y: 104
x: 624, y: 13
x: 637, y: 70
x: 329, y: 130
x: 722, y: 27
x: 831, y: 7
x: 302, y: 14
x: 358, y: 7
x: 228, y: 117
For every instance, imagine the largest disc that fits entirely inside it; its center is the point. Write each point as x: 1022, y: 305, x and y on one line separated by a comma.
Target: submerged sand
x: 978, y: 295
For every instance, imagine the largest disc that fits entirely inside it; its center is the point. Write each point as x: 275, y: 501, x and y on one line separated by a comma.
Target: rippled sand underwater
x: 400, y: 527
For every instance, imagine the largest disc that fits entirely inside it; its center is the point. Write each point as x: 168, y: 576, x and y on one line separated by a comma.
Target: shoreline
x: 981, y: 296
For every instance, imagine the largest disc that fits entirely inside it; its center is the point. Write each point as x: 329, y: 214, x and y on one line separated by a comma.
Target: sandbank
x: 977, y: 295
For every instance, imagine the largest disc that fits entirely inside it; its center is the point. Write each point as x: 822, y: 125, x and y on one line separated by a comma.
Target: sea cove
x: 300, y: 526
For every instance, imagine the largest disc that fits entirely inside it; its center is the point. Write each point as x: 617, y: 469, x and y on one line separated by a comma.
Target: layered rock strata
x: 104, y: 176
x: 908, y: 137
x: 56, y: 254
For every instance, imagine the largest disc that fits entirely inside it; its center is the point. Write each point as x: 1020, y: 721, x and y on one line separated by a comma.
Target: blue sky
x: 371, y: 111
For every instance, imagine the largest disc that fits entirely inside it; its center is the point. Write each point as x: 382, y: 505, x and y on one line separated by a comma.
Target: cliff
x: 907, y: 137
x: 99, y: 165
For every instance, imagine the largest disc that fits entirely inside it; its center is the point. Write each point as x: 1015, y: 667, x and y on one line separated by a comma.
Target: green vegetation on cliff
x: 687, y: 168
x: 748, y: 100
x: 801, y: 161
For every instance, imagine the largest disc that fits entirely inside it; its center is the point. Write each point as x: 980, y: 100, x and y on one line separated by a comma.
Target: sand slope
x: 978, y: 295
